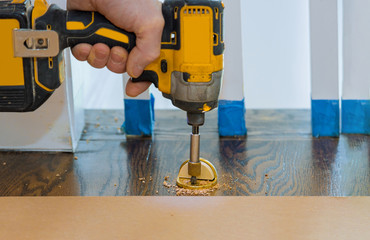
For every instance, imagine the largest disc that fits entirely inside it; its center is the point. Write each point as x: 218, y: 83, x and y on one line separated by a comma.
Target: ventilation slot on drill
x: 11, y: 97
x: 201, y: 11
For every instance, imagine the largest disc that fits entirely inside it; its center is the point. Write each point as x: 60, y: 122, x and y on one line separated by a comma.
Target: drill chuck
x: 195, y: 120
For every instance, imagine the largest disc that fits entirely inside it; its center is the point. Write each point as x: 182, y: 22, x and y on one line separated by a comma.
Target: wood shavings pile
x: 195, y: 192
x: 188, y: 192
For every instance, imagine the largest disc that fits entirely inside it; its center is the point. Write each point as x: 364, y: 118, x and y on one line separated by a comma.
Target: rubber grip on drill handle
x: 98, y: 25
x: 76, y: 27
x: 92, y: 28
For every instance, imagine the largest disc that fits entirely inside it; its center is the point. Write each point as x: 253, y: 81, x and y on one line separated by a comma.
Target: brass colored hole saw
x: 206, y: 179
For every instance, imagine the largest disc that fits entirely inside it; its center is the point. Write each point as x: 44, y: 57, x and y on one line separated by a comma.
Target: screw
x: 40, y: 41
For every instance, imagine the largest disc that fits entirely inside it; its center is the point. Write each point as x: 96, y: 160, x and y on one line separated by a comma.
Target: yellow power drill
x: 188, y: 72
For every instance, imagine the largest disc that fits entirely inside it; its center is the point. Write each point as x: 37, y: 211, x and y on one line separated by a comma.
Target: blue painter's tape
x: 325, y: 118
x: 231, y: 118
x: 356, y: 116
x: 139, y: 117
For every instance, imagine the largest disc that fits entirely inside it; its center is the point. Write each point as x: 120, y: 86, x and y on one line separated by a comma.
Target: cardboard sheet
x: 184, y: 218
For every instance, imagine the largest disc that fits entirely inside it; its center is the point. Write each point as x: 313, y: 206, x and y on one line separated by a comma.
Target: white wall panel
x: 356, y: 49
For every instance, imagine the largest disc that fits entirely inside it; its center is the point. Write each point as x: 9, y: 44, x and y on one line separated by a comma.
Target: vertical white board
x: 324, y: 67
x: 231, y: 107
x: 356, y: 67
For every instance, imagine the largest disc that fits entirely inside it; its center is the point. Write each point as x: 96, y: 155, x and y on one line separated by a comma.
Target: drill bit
x: 194, y: 167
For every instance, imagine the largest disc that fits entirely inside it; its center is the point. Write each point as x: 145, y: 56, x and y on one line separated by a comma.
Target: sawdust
x: 199, y: 182
x: 228, y: 183
x: 195, y: 192
x: 166, y: 184
x: 142, y: 180
x: 189, y: 192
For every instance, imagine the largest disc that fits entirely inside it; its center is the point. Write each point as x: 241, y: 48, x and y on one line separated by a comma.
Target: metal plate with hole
x: 35, y: 43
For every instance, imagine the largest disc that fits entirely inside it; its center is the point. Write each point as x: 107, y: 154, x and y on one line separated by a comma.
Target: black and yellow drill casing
x: 16, y: 79
x: 190, y: 66
x: 188, y: 71
x: 26, y: 83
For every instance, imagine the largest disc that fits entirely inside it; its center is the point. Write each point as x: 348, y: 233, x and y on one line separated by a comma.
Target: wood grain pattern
x: 278, y: 158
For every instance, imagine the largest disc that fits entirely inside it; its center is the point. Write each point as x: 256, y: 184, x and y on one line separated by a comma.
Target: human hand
x: 142, y: 17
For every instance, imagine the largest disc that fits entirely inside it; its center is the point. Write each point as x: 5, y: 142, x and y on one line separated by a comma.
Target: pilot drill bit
x: 194, y: 167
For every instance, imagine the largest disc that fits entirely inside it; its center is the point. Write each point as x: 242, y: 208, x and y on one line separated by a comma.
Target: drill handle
x: 74, y: 27
x: 92, y: 28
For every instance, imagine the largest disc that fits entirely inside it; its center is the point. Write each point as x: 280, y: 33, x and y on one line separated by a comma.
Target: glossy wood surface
x: 278, y: 158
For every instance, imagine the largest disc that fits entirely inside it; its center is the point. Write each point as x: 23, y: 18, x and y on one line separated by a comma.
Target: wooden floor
x: 278, y: 158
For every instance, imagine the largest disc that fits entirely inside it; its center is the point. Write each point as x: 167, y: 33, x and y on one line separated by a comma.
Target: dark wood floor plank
x: 270, y: 161
x: 37, y: 174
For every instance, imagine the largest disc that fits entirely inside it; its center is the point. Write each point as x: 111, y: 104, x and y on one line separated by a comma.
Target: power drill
x: 188, y: 72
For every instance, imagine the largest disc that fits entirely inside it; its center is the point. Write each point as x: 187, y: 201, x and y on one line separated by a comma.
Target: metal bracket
x: 35, y: 43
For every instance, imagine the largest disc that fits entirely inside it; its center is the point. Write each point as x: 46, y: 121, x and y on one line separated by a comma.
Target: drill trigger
x: 147, y: 76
